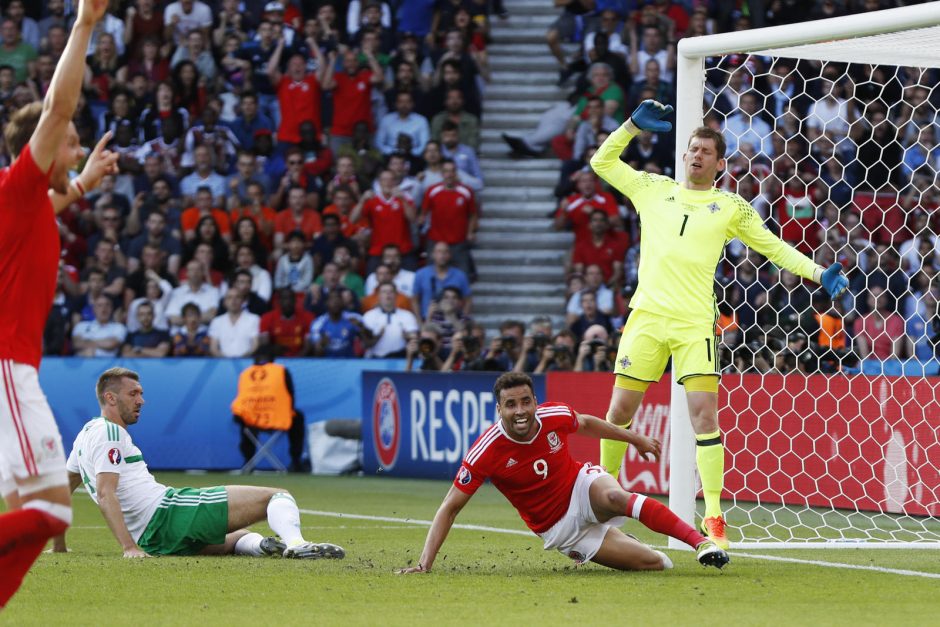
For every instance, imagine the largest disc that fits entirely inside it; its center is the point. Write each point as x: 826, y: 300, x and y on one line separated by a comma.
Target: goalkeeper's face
x: 702, y: 162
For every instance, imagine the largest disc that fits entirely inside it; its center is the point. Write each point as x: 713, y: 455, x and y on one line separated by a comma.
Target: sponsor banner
x: 186, y: 421
x: 589, y: 393
x: 422, y: 424
x: 871, y: 443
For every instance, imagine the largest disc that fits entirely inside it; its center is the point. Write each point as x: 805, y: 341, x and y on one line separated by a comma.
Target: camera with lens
x: 426, y: 346
x: 561, y: 351
x: 539, y: 341
x: 596, y: 343
x: 507, y: 342
x: 471, y: 344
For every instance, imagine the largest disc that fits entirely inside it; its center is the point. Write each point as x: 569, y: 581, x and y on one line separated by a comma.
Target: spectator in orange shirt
x: 344, y: 199
x: 297, y: 217
x: 203, y: 208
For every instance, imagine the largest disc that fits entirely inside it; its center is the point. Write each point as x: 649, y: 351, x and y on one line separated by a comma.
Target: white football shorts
x: 30, y: 443
x: 579, y: 534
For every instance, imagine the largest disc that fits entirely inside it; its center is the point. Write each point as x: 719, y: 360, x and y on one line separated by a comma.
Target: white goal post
x: 908, y: 37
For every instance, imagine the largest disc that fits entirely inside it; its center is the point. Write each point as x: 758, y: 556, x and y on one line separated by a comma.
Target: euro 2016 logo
x: 114, y: 456
x: 386, y: 423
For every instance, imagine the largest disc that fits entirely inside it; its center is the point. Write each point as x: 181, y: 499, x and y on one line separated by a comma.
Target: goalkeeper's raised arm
x: 606, y: 161
x: 703, y: 161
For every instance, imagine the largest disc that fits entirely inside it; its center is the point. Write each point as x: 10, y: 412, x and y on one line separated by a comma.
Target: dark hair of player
x: 509, y: 380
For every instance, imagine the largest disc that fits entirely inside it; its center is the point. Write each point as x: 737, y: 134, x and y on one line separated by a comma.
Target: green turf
x: 480, y: 578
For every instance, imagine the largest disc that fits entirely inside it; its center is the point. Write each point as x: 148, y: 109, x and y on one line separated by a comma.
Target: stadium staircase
x: 519, y: 256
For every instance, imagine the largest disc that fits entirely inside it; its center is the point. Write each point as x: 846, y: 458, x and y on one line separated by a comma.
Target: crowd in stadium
x: 305, y: 174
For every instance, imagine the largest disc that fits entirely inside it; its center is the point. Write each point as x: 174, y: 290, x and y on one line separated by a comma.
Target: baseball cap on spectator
x: 273, y: 6
x: 262, y: 131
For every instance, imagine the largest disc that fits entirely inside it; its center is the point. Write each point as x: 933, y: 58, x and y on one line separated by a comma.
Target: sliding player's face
x: 517, y: 411
x: 130, y: 400
x: 702, y: 161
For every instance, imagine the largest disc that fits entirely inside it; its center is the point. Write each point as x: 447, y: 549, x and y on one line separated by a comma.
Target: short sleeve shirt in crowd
x: 300, y: 102
x: 450, y: 211
x: 389, y: 224
x: 355, y: 94
x: 579, y: 208
x: 288, y: 333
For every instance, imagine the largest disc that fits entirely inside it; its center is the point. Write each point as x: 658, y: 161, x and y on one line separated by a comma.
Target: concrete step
x: 508, y: 177
x: 512, y: 122
x: 511, y: 62
x: 519, y: 257
x: 492, y: 106
x: 520, y: 78
x: 488, y: 164
x: 527, y: 17
x: 516, y: 194
x: 511, y: 303
x: 497, y: 288
x: 532, y: 210
x: 494, y: 149
x: 547, y: 240
x: 519, y: 226
x: 518, y: 5
x: 521, y: 275
x: 523, y: 33
x: 502, y: 48
x: 547, y: 91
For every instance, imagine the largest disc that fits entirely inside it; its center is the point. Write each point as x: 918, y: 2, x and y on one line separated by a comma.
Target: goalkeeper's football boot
x: 710, y: 554
x: 315, y: 551
x: 272, y: 546
x: 714, y: 528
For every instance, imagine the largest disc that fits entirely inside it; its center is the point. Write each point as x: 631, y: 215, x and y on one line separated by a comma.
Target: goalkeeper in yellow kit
x: 684, y: 229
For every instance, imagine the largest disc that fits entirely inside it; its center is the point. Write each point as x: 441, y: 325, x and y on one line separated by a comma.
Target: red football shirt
x: 536, y: 476
x: 310, y: 223
x: 354, y: 95
x: 613, y: 248
x: 29, y: 259
x: 388, y: 222
x: 287, y: 333
x: 299, y: 102
x: 450, y: 211
x: 579, y: 211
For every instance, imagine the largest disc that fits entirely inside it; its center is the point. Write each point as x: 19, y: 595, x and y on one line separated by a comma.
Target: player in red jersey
x: 45, y: 146
x: 575, y: 508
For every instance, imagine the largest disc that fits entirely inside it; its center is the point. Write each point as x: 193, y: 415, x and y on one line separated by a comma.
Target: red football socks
x: 662, y: 520
x: 23, y: 534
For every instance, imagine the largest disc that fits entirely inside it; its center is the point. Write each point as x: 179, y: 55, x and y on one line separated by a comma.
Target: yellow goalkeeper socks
x: 710, y: 458
x: 612, y: 452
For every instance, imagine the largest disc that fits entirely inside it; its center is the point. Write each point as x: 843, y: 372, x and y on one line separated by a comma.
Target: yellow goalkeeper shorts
x: 649, y: 339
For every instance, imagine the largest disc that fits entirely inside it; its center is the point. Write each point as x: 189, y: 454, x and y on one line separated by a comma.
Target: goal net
x: 829, y: 411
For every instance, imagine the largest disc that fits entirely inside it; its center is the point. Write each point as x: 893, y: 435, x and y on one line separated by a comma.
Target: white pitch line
x: 519, y: 532
x: 414, y: 521
x: 877, y: 569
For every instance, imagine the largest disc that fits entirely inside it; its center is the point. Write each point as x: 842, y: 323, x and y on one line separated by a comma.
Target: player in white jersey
x: 148, y: 518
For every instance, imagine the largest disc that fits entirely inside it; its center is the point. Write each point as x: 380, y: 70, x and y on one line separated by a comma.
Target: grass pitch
x: 480, y: 578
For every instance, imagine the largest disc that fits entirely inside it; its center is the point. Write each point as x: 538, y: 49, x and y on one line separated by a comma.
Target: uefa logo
x: 386, y: 423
